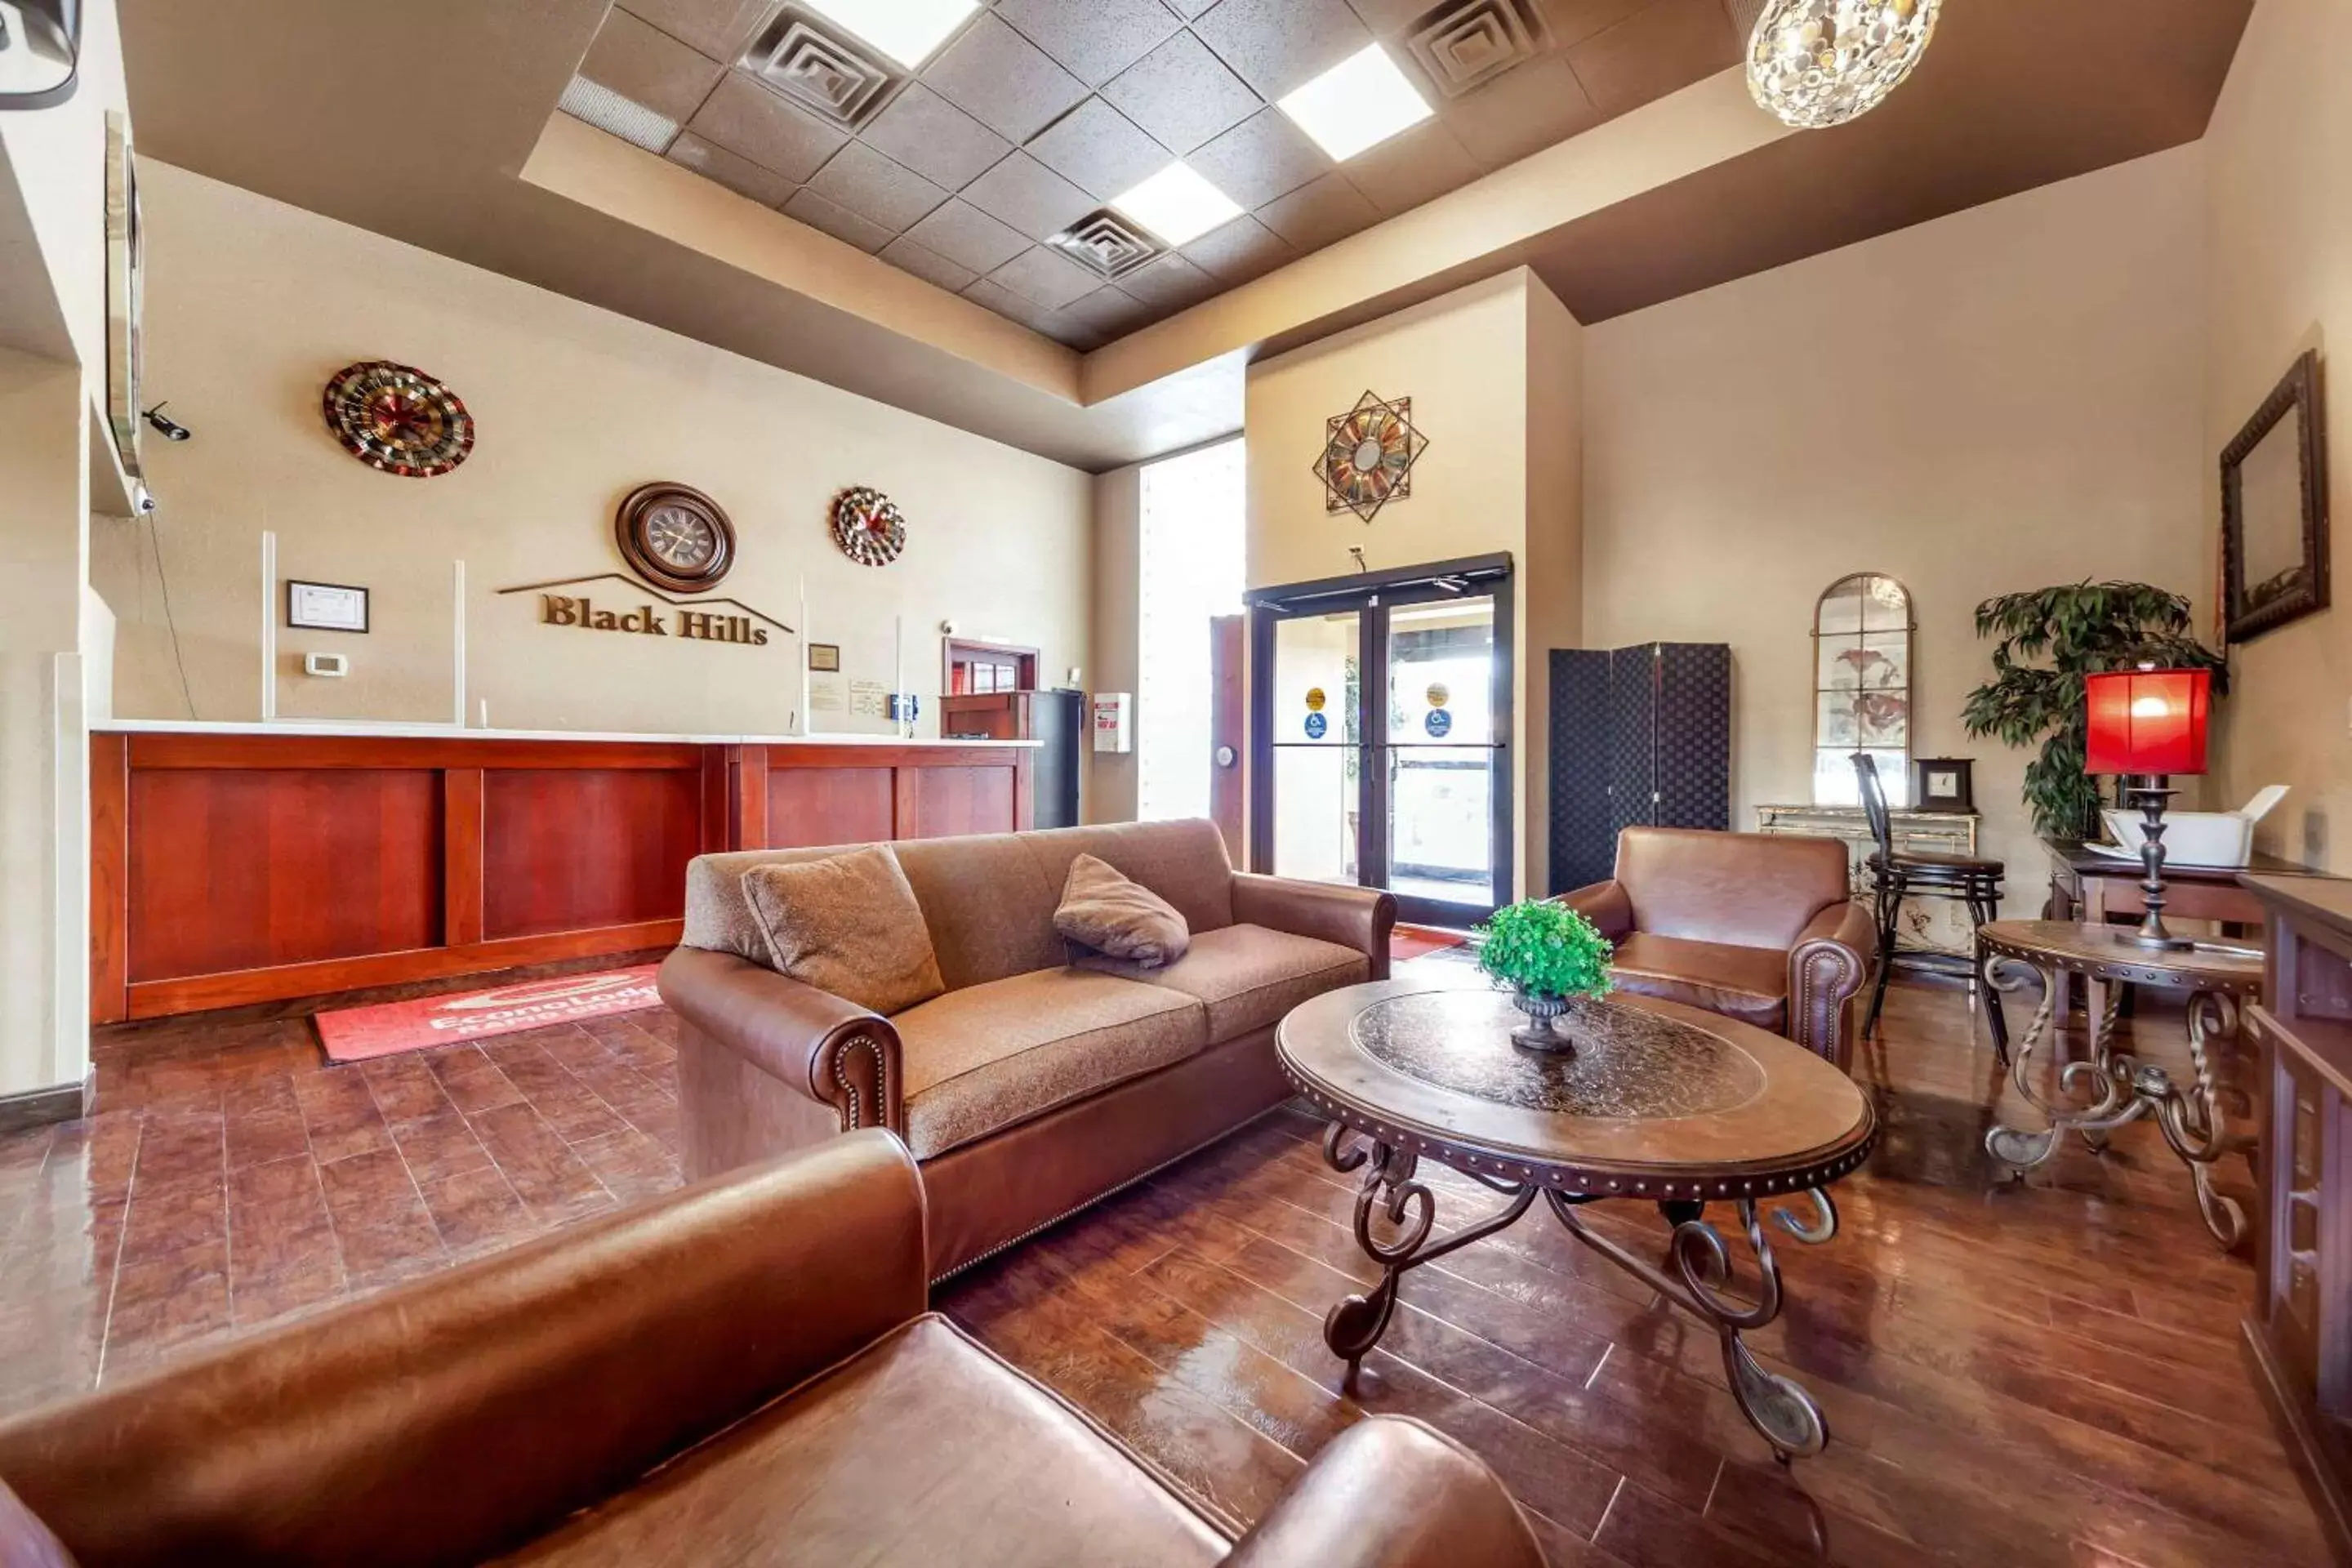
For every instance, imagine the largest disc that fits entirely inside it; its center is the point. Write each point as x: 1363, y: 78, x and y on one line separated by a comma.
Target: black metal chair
x: 1895, y: 876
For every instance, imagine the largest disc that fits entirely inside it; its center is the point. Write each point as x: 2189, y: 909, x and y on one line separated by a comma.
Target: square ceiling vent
x: 1469, y: 44
x: 822, y: 68
x: 1106, y: 245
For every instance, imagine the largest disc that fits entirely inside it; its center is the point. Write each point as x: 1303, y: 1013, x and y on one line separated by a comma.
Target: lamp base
x: 2151, y: 794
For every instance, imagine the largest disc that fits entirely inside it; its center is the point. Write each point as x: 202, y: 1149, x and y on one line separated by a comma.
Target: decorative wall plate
x: 868, y: 526
x: 1368, y: 456
x: 675, y: 537
x: 398, y: 419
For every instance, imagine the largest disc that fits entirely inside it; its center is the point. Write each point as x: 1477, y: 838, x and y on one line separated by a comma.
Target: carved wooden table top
x: 2107, y: 953
x: 1659, y: 1100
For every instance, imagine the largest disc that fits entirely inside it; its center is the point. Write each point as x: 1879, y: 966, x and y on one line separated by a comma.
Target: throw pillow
x: 1104, y: 911
x: 848, y: 924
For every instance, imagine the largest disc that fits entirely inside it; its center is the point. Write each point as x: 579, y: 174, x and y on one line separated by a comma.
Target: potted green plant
x: 2049, y: 640
x: 1553, y: 958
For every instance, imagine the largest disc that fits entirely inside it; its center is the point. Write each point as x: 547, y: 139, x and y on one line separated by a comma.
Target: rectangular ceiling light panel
x: 1361, y: 102
x: 1178, y: 204
x: 906, y: 30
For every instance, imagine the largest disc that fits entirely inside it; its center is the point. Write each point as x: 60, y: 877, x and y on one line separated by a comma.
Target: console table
x: 1933, y: 925
x: 2299, y: 1337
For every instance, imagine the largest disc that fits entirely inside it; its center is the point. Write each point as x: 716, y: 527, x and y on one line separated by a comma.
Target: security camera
x: 947, y: 628
x: 143, y: 500
x: 166, y: 427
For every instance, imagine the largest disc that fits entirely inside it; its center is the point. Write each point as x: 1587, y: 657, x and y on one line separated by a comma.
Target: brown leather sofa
x: 1760, y: 927
x: 1032, y: 1088
x: 740, y: 1372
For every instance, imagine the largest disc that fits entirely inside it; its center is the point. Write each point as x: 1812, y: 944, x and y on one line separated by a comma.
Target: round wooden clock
x: 675, y: 537
x: 397, y: 419
x: 868, y: 526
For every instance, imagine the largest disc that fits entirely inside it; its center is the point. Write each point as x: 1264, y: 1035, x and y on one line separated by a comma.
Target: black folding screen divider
x: 1639, y: 735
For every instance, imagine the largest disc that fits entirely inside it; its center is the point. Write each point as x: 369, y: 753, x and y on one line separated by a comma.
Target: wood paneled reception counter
x: 238, y: 863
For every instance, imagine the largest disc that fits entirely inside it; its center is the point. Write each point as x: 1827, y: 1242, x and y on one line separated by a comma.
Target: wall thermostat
x: 333, y: 664
x: 1114, y: 721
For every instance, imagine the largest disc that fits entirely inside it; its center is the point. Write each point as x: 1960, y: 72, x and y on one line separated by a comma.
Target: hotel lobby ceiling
x: 1609, y: 148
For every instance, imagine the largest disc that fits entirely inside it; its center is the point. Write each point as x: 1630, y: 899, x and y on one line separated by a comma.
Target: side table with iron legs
x: 2111, y: 1089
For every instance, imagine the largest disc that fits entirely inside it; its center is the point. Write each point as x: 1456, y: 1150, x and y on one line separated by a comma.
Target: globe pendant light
x: 1818, y: 63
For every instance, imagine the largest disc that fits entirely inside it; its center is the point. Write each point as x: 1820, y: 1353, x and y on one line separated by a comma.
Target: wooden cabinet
x: 2299, y: 1337
x: 231, y: 868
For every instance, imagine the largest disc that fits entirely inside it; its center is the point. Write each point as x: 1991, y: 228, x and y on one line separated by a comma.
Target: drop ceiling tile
x: 1573, y: 21
x: 1260, y: 159
x: 1240, y: 250
x: 934, y: 138
x: 1277, y: 45
x: 646, y: 66
x: 1521, y: 111
x: 1410, y: 167
x: 1099, y: 150
x: 741, y: 175
x: 836, y: 220
x: 1181, y: 94
x: 1047, y: 276
x: 718, y: 28
x: 1093, y: 39
x: 1015, y: 305
x: 1669, y: 45
x: 1187, y: 9
x: 1108, y: 311
x: 747, y: 119
x: 875, y: 188
x: 1387, y: 18
x: 1316, y: 215
x: 1169, y: 283
x: 969, y: 237
x: 1030, y: 197
x: 1004, y: 81
x: 927, y: 264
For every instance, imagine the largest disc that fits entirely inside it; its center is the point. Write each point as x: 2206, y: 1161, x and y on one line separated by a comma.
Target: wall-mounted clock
x: 397, y: 419
x: 675, y: 537
x: 868, y: 526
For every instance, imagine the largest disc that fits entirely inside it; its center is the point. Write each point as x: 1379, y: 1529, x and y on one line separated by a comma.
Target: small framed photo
x: 1942, y: 783
x: 325, y: 607
x: 824, y: 656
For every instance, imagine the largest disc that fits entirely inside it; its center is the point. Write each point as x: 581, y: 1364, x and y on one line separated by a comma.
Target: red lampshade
x: 2147, y: 720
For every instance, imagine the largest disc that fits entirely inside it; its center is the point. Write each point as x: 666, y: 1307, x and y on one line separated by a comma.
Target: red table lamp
x: 2146, y: 725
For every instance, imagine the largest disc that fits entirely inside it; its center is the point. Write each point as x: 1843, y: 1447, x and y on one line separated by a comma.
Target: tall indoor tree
x: 2049, y: 640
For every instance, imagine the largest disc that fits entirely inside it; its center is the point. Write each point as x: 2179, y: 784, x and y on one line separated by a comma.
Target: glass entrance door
x: 1380, y: 718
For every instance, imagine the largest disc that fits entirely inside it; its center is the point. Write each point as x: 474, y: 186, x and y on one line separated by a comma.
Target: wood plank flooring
x: 2036, y: 1375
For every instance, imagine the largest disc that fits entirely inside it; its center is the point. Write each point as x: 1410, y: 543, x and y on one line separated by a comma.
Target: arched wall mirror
x: 1862, y: 686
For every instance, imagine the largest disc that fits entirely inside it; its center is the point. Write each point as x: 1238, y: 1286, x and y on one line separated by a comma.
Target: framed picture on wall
x: 1942, y: 783
x: 824, y: 656
x: 325, y: 607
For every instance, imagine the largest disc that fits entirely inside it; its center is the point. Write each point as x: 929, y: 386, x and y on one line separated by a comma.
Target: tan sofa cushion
x: 1247, y: 976
x: 848, y: 924
x: 1121, y: 919
x: 1750, y: 983
x: 993, y: 1055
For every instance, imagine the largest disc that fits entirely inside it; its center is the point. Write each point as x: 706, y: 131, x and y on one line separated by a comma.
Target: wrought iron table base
x: 2112, y: 1089
x: 1780, y: 1408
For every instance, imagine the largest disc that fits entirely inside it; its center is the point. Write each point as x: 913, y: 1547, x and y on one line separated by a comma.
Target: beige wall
x: 1113, y: 785
x: 2279, y: 252
x: 253, y: 304
x: 2002, y: 399
x: 1493, y: 372
x: 52, y: 346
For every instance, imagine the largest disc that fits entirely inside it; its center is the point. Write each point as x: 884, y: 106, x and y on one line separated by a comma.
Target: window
x: 1192, y: 570
x: 1861, y: 688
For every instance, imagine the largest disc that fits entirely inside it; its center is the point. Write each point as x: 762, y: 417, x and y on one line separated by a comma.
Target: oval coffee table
x: 1658, y: 1103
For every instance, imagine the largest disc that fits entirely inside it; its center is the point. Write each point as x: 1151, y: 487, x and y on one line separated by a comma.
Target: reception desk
x: 241, y: 863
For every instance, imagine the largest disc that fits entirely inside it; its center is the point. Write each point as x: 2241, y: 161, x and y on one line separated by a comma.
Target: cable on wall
x: 170, y: 624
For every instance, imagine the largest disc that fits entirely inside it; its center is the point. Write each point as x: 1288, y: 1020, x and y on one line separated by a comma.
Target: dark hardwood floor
x: 2020, y: 1375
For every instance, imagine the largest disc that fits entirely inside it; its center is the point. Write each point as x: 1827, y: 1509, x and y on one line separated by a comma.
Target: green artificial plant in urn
x: 1550, y: 956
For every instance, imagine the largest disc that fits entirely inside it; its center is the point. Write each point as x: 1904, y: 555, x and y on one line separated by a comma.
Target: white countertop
x: 372, y: 730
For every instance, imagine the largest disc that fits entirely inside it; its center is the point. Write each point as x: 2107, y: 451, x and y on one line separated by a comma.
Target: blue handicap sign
x: 1316, y: 726
x: 1437, y: 721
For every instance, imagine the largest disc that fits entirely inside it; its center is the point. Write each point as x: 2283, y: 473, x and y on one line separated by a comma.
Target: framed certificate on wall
x: 325, y: 607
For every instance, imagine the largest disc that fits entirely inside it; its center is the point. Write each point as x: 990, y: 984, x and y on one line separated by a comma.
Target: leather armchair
x: 1758, y: 927
x: 698, y: 1373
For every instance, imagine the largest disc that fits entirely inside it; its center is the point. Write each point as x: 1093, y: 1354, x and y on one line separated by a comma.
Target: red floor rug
x: 356, y: 1034
x: 1420, y: 941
